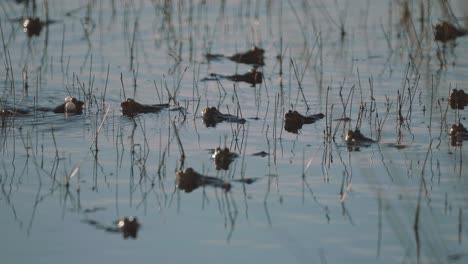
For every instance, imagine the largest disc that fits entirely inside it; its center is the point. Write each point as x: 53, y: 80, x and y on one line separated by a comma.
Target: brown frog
x: 357, y: 138
x: 445, y: 32
x: 254, y: 56
x: 32, y: 26
x: 223, y: 158
x: 131, y: 107
x: 458, y: 133
x: 293, y: 120
x: 252, y: 77
x: 190, y: 180
x: 458, y: 99
x: 212, y: 116
x: 71, y: 106
x: 128, y: 226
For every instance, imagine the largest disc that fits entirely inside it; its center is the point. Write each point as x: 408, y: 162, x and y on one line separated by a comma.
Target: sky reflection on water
x: 65, y: 181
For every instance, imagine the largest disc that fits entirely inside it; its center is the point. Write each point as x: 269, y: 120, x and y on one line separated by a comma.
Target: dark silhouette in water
x: 458, y: 133
x: 211, y: 117
x: 356, y: 137
x: 70, y: 106
x: 261, y: 154
x: 32, y: 26
x: 252, y: 77
x: 223, y: 158
x: 12, y: 112
x: 190, y: 180
x: 254, y: 57
x: 445, y: 32
x: 458, y: 99
x: 293, y: 121
x: 127, y: 226
x: 131, y: 107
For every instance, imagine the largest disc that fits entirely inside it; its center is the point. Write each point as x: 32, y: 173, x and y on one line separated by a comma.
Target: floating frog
x: 458, y: 99
x: 212, y: 116
x: 223, y: 158
x: 252, y: 77
x: 293, y: 121
x: 131, y: 107
x: 445, y: 32
x: 190, y: 180
x: 254, y: 56
x: 458, y: 133
x: 357, y: 138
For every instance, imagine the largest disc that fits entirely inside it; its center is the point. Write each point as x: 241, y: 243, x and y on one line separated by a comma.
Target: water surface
x: 65, y: 180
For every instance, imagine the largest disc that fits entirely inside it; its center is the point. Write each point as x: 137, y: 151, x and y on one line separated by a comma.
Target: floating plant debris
x: 255, y: 57
x: 458, y: 133
x: 131, y: 107
x: 445, y: 32
x: 252, y: 77
x: 458, y: 99
x: 212, y: 116
x: 190, y: 180
x: 293, y: 121
x: 223, y: 158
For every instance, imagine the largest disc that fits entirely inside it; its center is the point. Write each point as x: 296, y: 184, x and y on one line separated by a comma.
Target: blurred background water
x: 66, y: 180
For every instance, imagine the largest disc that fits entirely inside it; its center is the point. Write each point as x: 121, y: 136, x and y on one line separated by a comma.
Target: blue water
x: 313, y: 201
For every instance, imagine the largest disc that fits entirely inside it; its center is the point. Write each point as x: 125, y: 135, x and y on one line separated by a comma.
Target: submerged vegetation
x: 338, y: 126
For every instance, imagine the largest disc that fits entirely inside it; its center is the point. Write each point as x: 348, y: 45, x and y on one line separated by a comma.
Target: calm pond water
x: 66, y: 180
